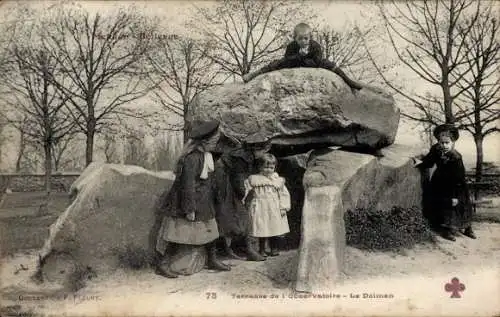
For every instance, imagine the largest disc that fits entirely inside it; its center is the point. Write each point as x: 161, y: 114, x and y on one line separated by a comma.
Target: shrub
x: 79, y: 277
x: 389, y: 230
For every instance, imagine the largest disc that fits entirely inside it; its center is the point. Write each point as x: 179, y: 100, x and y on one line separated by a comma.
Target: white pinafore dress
x: 267, y: 202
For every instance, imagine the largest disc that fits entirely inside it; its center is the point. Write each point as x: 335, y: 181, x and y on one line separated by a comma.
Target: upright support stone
x: 336, y: 181
x: 322, y: 248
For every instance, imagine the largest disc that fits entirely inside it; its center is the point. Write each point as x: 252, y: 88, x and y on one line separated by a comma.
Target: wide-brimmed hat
x: 449, y: 128
x: 257, y: 140
x: 202, y: 129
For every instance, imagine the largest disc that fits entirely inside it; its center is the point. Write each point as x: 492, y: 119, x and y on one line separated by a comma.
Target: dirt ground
x: 415, y: 279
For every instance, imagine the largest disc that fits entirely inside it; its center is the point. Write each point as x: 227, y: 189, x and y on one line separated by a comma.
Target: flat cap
x: 256, y: 140
x: 449, y: 128
x: 202, y: 129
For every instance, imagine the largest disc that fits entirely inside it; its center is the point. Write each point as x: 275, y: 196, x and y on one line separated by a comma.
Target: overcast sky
x: 337, y: 14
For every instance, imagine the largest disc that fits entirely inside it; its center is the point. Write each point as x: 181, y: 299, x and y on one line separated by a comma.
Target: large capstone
x: 301, y: 109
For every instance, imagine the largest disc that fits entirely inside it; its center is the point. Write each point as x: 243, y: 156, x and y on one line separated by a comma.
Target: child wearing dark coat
x: 188, y: 207
x: 450, y: 201
x: 303, y: 51
x: 231, y: 172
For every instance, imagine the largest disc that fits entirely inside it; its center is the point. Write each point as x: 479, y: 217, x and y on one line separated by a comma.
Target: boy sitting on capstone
x: 303, y: 51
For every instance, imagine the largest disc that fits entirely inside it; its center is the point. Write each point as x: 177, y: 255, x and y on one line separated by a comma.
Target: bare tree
x: 10, y: 31
x: 40, y: 103
x: 110, y: 148
x: 60, y: 148
x: 181, y: 70
x: 166, y: 152
x: 3, y: 138
x: 103, y: 57
x: 346, y: 49
x: 22, y: 126
x: 245, y: 34
x: 31, y: 161
x: 9, y: 26
x: 135, y: 150
x: 110, y: 136
x: 425, y: 37
x: 478, y: 106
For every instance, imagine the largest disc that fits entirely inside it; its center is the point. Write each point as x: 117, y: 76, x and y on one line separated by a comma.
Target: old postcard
x: 249, y: 158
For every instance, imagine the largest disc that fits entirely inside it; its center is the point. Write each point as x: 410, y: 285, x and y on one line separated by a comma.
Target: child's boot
x: 262, y: 247
x: 274, y: 244
x: 448, y: 234
x: 248, y: 77
x: 351, y: 83
x: 229, y: 251
x: 165, y: 272
x: 162, y: 267
x: 469, y: 232
x: 213, y: 262
x: 252, y: 75
x: 252, y: 255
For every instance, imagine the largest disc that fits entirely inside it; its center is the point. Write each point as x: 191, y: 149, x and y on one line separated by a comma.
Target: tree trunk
x: 55, y: 160
x: 478, y: 139
x: 44, y: 207
x: 57, y: 155
x: 48, y: 166
x: 2, y: 126
x: 447, y: 100
x: 185, y: 135
x: 56, y: 164
x: 91, y: 124
x: 429, y: 134
x: 186, y: 124
x: 89, y: 151
x: 20, y: 153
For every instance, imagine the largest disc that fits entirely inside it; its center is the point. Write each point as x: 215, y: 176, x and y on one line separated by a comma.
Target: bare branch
x: 246, y: 34
x: 431, y: 47
x: 182, y: 69
x: 101, y: 56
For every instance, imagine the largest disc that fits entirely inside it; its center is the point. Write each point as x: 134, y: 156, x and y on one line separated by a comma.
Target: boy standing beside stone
x: 450, y: 199
x: 303, y: 51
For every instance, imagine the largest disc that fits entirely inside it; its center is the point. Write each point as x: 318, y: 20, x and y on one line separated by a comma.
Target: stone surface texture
x: 301, y: 106
x: 336, y: 181
x: 109, y: 223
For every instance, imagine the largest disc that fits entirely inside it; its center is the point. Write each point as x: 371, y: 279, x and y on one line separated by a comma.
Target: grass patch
x: 387, y: 230
x: 21, y: 228
x: 24, y: 233
x: 134, y: 258
x: 78, y: 278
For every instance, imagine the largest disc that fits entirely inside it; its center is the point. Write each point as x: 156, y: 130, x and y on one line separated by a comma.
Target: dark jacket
x: 240, y: 164
x: 447, y: 182
x: 190, y: 193
x: 312, y: 59
x: 231, y: 171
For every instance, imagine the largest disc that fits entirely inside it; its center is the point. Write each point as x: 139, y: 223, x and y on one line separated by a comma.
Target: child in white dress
x: 267, y: 201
